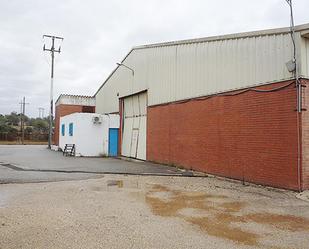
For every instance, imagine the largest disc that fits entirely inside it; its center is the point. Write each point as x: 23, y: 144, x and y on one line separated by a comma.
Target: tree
x: 36, y: 127
x: 3, y: 120
x: 40, y: 125
x: 28, y: 129
x: 13, y: 118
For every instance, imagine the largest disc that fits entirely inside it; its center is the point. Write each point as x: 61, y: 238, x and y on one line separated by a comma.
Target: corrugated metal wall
x: 134, y: 126
x: 307, y: 60
x: 190, y: 70
x: 305, y: 57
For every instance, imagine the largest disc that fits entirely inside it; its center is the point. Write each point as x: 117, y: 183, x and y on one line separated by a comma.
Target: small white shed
x: 93, y: 134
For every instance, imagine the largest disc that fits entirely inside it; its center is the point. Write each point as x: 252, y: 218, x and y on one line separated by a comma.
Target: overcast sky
x: 99, y: 33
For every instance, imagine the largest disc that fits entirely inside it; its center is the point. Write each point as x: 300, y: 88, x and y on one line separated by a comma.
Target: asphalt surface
x: 35, y: 163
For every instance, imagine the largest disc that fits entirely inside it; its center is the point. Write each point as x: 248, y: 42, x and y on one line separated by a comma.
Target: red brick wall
x: 63, y: 110
x: 305, y: 135
x: 250, y: 136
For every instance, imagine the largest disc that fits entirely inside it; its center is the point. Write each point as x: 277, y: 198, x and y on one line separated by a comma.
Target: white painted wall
x: 90, y: 139
x: 114, y: 120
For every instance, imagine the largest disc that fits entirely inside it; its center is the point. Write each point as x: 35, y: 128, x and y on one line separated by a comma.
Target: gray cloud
x: 99, y: 33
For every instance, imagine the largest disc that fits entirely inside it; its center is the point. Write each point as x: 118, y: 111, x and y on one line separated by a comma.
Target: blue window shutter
x: 71, y: 129
x: 62, y: 129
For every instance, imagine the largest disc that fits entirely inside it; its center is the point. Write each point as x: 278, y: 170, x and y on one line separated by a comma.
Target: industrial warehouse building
x: 224, y: 105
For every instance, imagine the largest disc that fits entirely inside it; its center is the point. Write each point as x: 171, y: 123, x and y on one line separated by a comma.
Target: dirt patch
x: 177, y: 201
x: 283, y: 222
x: 233, y: 206
x: 221, y: 217
x: 221, y: 228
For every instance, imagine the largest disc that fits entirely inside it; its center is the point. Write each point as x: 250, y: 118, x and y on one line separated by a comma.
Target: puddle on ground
x: 3, y: 199
x: 115, y: 183
x: 2, y: 203
x: 126, y: 184
x: 216, y: 215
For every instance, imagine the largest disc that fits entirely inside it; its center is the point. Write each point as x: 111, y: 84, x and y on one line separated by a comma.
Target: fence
x: 11, y: 137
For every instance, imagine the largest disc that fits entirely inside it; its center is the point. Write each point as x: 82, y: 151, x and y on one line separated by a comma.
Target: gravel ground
x: 151, y: 212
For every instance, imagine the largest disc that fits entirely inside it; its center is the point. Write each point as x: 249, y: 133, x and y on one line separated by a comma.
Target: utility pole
x: 41, y: 112
x: 52, y: 51
x: 22, y: 116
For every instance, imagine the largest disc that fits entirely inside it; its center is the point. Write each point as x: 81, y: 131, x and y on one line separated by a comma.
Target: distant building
x: 67, y: 104
x: 225, y: 105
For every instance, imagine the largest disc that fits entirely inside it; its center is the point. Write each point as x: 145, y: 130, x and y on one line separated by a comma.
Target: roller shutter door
x: 134, y: 126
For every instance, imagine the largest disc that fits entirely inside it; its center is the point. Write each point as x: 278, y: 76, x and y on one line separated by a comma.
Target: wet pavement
x: 35, y: 163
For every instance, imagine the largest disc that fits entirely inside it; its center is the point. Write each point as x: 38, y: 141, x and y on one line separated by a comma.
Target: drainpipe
x: 299, y: 112
x: 299, y: 118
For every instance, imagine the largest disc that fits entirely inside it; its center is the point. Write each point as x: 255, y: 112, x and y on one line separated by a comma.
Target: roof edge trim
x: 249, y: 34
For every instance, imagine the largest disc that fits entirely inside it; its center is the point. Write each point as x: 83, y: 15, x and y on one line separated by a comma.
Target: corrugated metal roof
x: 73, y: 96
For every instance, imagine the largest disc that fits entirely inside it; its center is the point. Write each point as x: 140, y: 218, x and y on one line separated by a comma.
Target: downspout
x: 299, y: 115
x: 298, y: 86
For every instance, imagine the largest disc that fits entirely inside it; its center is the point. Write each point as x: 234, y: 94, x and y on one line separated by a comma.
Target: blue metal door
x: 113, y: 142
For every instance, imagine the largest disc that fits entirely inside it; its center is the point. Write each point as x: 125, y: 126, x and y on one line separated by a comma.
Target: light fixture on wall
x: 291, y: 66
x: 121, y: 64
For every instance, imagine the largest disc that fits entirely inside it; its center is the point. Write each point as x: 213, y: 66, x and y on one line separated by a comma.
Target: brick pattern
x: 63, y: 110
x: 305, y: 135
x: 250, y: 136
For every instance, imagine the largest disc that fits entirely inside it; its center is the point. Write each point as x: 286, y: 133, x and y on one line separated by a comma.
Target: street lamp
x: 121, y: 64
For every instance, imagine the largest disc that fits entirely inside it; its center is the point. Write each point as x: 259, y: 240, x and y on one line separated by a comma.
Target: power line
x: 292, y: 28
x: 52, y: 51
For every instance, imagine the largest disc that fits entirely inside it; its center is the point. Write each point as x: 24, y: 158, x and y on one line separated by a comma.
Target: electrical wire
x: 231, y: 94
x: 289, y: 2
